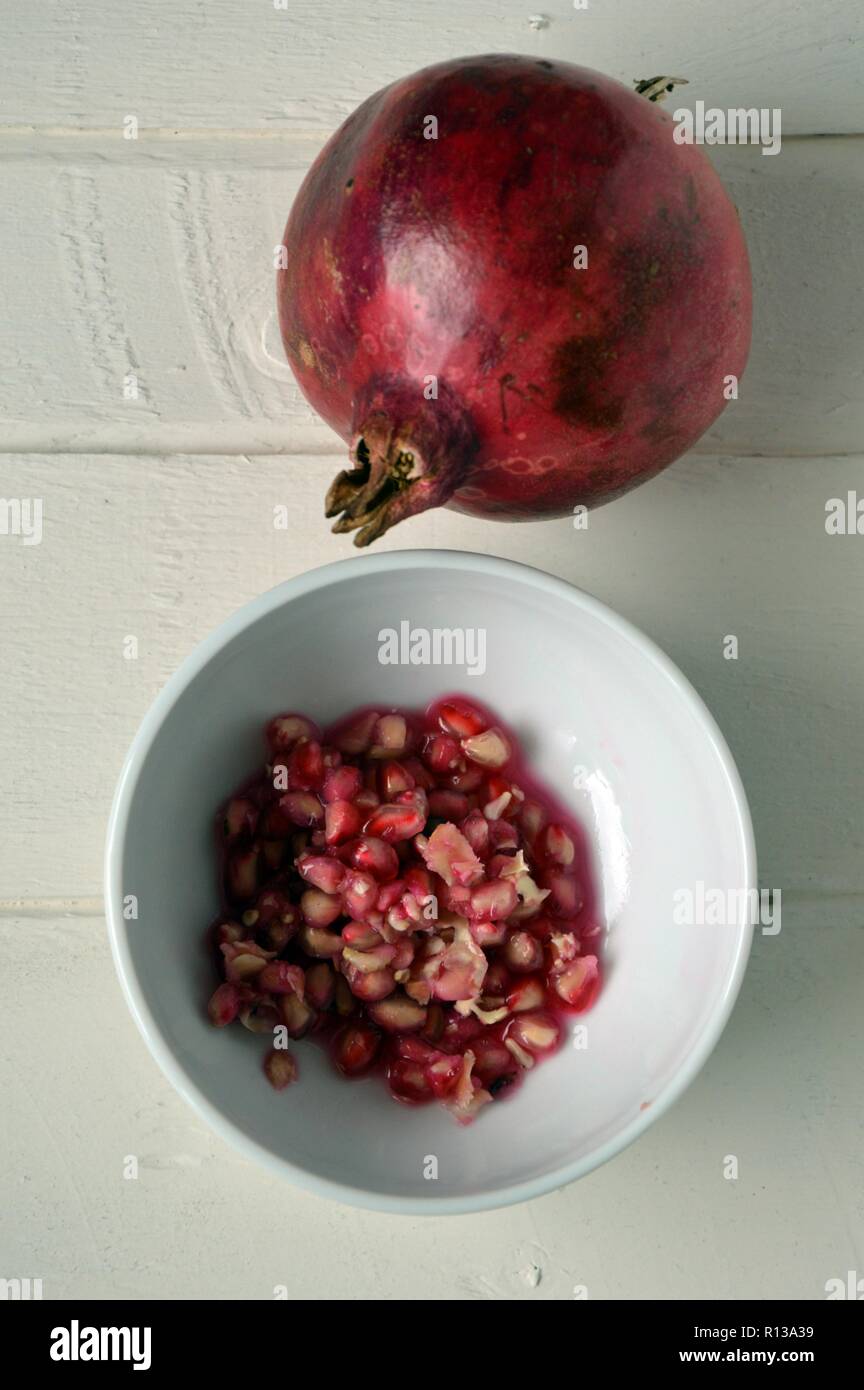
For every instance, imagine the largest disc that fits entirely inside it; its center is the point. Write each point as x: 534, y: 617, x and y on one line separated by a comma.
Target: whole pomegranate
x: 511, y: 291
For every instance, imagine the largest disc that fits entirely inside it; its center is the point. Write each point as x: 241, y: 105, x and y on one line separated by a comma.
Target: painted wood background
x: 154, y: 257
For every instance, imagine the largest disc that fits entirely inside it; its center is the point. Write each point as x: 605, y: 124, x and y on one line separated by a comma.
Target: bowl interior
x: 609, y: 725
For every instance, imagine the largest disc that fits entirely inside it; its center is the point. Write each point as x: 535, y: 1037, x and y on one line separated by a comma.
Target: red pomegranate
x: 438, y: 312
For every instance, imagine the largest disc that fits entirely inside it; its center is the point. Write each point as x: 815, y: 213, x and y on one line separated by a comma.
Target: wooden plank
x: 306, y: 64
x: 157, y: 259
x: 163, y: 549
x: 777, y: 1087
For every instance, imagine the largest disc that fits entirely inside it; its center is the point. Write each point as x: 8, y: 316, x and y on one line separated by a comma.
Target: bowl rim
x: 347, y: 570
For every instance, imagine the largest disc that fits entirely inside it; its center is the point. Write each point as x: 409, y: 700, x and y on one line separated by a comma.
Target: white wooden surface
x: 155, y: 257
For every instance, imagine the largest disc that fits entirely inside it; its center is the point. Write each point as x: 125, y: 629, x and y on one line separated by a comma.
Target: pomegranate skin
x: 417, y: 265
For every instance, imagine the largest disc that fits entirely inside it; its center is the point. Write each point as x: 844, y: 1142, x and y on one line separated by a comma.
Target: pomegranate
x: 510, y: 291
x: 413, y: 937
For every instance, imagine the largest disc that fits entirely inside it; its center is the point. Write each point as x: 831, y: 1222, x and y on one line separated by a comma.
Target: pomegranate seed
x: 408, y: 1082
x: 475, y: 828
x: 390, y: 894
x: 374, y: 856
x: 448, y: 805
x: 278, y: 977
x: 280, y: 1068
x: 224, y: 1005
x: 493, y: 901
x: 398, y: 1014
x: 273, y: 854
x: 461, y: 719
x: 523, y: 1057
x: 502, y: 835
x: 359, y: 894
x: 526, y: 994
x: 404, y: 956
x: 342, y: 784
x: 271, y: 904
x: 556, y: 846
x: 393, y: 779
x: 320, y: 943
x: 244, y: 960
x: 578, y: 983
x: 493, y: 1061
x: 360, y: 935
x: 395, y: 823
x: 371, y: 985
x: 434, y: 1023
x: 297, y: 1015
x: 389, y: 736
x: 355, y: 1048
x: 344, y: 999
x: 535, y: 1032
x: 532, y: 819
x: 240, y: 817
x: 229, y: 932
x: 497, y: 980
x: 443, y: 1074
x: 306, y: 766
x: 422, y: 776
x: 259, y: 1017
x: 320, y: 985
x: 355, y: 736
x: 301, y: 808
x: 320, y: 909
x: 366, y: 800
x: 565, y: 894
x: 286, y: 729
x: 523, y: 953
x: 488, y: 934
x: 465, y: 780
x: 342, y: 821
x: 242, y: 874
x: 489, y: 749
x: 370, y: 961
x: 322, y: 872
x: 459, y: 1032
x: 441, y: 753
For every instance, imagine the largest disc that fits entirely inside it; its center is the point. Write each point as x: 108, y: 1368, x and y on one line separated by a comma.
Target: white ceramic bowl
x: 607, y: 721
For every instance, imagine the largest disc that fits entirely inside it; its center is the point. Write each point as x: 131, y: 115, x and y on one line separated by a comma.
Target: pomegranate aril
x: 526, y: 994
x: 297, y: 1015
x: 395, y: 822
x: 280, y: 1068
x: 355, y: 1048
x: 376, y: 984
x: 422, y: 776
x: 320, y: 985
x: 342, y: 784
x: 320, y: 943
x: 320, y: 909
x: 306, y: 766
x: 565, y: 894
x: 228, y: 932
x: 493, y: 901
x: 492, y: 1060
x: 390, y: 894
x: 321, y: 871
x: 353, y: 736
x: 465, y: 780
x: 271, y: 904
x: 389, y: 736
x: 532, y: 818
x: 272, y: 855
x: 489, y: 749
x: 342, y: 821
x: 393, y: 779
x: 278, y: 977
x: 443, y: 1073
x: 360, y: 936
x: 286, y: 729
x: 523, y: 953
x: 240, y: 817
x: 224, y: 1005
x: 243, y: 960
x: 367, y: 962
x: 461, y: 719
x: 448, y: 805
x: 488, y: 934
x: 577, y: 983
x: 398, y: 1014
x: 344, y: 1000
x: 373, y: 855
x: 535, y: 1032
x: 242, y: 874
x: 301, y: 808
x: 502, y: 835
x: 555, y: 845
x: 359, y: 894
x: 259, y: 1017
x: 475, y: 828
x: 434, y: 1025
x: 441, y: 753
x: 408, y: 1082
